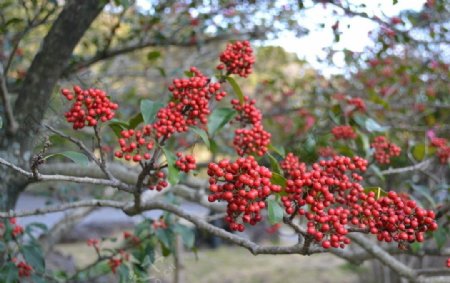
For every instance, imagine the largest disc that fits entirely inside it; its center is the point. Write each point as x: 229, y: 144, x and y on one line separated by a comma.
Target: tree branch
x: 63, y: 207
x: 419, y: 166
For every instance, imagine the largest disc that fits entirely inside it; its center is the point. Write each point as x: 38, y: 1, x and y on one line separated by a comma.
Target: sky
x: 355, y: 37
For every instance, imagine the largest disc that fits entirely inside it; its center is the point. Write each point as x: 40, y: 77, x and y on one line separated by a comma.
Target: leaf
x: 274, y: 164
x: 124, y: 273
x: 174, y: 174
x: 219, y: 118
x: 34, y: 257
x: 275, y: 212
x: 165, y: 238
x: 278, y: 149
x: 237, y: 90
x: 440, y: 237
x: 187, y: 235
x: 1, y: 122
x: 153, y: 55
x: 9, y: 273
x: 377, y: 171
x: 76, y: 157
x: 379, y: 192
x: 278, y: 179
x: 149, y: 109
x: 425, y: 192
x: 203, y: 135
x: 135, y: 121
x: 118, y: 126
x: 373, y: 126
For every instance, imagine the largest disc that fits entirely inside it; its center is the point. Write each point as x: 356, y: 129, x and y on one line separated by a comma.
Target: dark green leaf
x: 237, y: 90
x: 149, y: 109
x: 124, y: 273
x: 278, y: 179
x: 34, y: 257
x: 1, y: 122
x: 153, y: 55
x: 9, y: 273
x: 203, y: 135
x: 274, y: 164
x: 165, y: 238
x: 219, y: 118
x: 275, y: 212
x: 174, y: 174
x: 278, y: 149
x: 76, y: 157
x: 135, y: 121
x: 440, y: 237
x: 187, y: 235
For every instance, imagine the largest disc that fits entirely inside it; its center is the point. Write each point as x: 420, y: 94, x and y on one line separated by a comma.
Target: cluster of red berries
x: 325, y: 188
x: 16, y: 228
x: 159, y: 224
x: 244, y: 185
x: 384, y: 150
x: 135, y: 143
x: 24, y: 268
x: 343, y: 133
x: 131, y: 238
x: 448, y: 262
x: 159, y: 179
x: 117, y: 260
x: 90, y: 106
x: 185, y: 163
x: 396, y: 218
x: 336, y: 200
x: 358, y: 103
x: 189, y: 106
x: 237, y: 59
x: 443, y: 149
x: 251, y: 138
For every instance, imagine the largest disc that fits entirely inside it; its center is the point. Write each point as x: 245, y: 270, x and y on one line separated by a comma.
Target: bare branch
x: 63, y: 207
x: 419, y: 166
x: 84, y: 180
x: 385, y: 258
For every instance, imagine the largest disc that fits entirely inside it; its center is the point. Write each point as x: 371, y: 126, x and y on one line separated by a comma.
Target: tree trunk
x: 36, y: 90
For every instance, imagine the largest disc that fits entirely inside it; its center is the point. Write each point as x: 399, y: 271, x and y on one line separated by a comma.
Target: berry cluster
x: 90, y: 106
x: 244, y: 185
x: 251, y: 139
x: 443, y: 149
x: 117, y: 260
x: 16, y: 228
x: 358, y: 103
x: 396, y: 218
x: 135, y: 144
x: 326, y: 152
x: 159, y: 179
x: 185, y: 163
x: 343, y: 133
x: 237, y: 59
x: 384, y: 150
x: 24, y: 268
x: 189, y: 105
x: 336, y: 201
x: 326, y: 187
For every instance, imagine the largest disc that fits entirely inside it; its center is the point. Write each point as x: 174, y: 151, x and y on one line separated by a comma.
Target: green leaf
x: 38, y: 279
x: 425, y: 192
x: 278, y: 179
x: 149, y: 109
x: 153, y: 55
x: 440, y: 237
x: 219, y: 118
x: 278, y: 149
x: 275, y: 212
x: 9, y: 273
x: 124, y: 273
x: 2, y: 247
x: 118, y: 126
x: 373, y: 126
x: 76, y: 157
x: 274, y: 164
x: 203, y: 135
x: 1, y: 122
x: 165, y: 237
x: 237, y: 90
x: 34, y: 257
x: 187, y: 235
x: 174, y: 174
x: 135, y: 121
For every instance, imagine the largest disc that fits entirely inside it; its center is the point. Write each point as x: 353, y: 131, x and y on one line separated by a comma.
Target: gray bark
x: 34, y: 95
